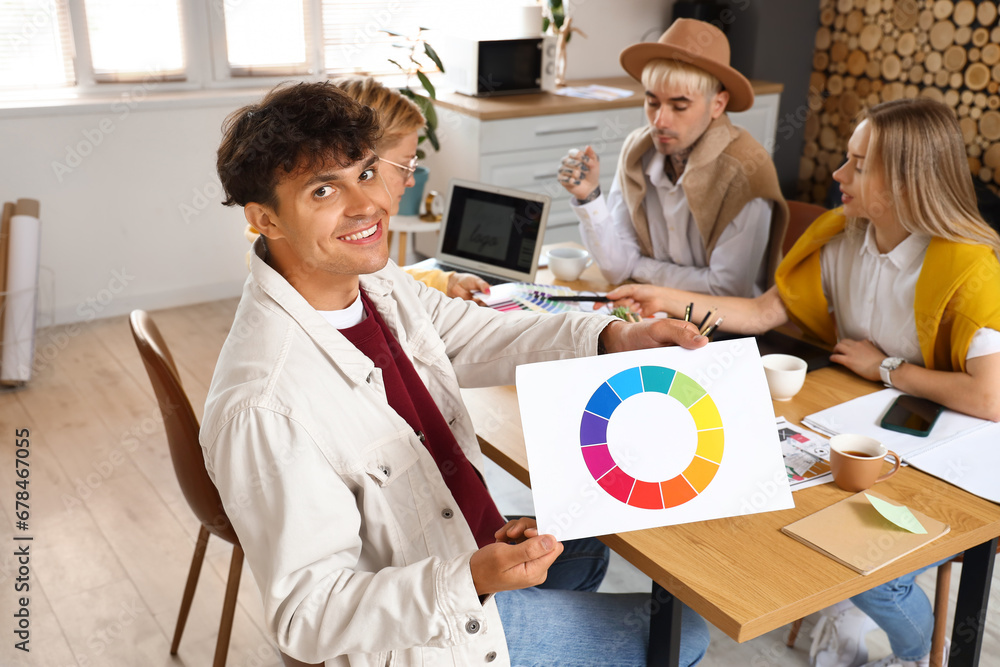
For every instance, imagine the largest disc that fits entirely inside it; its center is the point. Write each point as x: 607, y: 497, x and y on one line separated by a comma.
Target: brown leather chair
x: 800, y: 216
x: 181, y: 427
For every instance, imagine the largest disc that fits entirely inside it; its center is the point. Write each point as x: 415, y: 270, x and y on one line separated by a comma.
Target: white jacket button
x: 491, y: 656
x: 447, y: 513
x: 472, y: 627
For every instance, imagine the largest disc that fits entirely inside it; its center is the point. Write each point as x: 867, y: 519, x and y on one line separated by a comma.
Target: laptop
x: 493, y: 232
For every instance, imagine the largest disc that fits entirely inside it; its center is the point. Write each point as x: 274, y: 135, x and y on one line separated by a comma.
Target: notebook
x: 853, y: 533
x: 493, y: 232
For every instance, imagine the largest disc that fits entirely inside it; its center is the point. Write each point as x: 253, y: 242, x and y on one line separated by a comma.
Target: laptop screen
x: 493, y: 228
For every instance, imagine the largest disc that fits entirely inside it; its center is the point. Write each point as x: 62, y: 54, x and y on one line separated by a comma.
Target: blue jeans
x: 564, y: 623
x: 903, y: 611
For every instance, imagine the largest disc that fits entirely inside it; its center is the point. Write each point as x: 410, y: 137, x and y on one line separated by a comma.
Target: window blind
x: 135, y: 40
x: 353, y: 43
x: 36, y: 44
x: 268, y: 37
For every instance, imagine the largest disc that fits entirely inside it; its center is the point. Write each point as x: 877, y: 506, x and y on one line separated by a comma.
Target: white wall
x: 611, y: 25
x: 129, y: 205
x: 136, y: 222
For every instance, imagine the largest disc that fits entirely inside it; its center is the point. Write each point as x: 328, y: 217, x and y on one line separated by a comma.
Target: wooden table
x: 742, y: 574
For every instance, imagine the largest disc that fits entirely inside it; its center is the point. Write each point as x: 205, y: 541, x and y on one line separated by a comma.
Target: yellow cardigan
x: 958, y: 293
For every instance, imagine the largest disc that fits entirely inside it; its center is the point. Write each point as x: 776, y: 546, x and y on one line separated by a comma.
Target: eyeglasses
x: 408, y: 168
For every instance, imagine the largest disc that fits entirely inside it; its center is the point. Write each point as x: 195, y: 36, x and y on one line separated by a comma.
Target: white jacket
x: 351, y: 533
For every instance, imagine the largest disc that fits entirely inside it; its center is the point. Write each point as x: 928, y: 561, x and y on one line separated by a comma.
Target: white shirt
x: 856, y: 277
x: 347, y: 317
x: 739, y: 260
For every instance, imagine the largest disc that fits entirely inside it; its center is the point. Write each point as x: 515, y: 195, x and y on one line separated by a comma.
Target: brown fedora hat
x: 699, y: 44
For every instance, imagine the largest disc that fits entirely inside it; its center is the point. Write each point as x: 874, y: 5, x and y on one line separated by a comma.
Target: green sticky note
x: 900, y: 515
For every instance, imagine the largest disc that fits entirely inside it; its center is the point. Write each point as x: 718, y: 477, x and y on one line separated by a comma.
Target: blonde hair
x: 398, y: 115
x: 661, y: 73
x: 918, y: 146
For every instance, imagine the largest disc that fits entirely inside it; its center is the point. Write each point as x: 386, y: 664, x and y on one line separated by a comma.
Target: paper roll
x: 22, y: 287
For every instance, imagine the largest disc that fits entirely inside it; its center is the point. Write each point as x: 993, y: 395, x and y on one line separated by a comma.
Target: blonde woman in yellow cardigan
x: 401, y: 121
x: 904, y: 283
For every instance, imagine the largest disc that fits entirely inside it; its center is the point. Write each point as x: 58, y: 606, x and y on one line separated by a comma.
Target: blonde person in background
x: 904, y: 282
x: 401, y: 123
x: 695, y: 202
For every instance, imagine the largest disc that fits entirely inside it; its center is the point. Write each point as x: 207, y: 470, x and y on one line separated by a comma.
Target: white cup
x: 785, y: 375
x: 568, y: 263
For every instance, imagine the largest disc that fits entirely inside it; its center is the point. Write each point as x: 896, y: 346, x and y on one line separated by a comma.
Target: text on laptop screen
x: 493, y: 228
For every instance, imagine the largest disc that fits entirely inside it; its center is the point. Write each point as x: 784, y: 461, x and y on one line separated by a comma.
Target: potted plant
x: 415, y: 47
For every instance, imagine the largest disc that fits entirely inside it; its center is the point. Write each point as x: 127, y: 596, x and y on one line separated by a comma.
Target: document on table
x: 971, y: 462
x: 862, y: 415
x: 806, y: 456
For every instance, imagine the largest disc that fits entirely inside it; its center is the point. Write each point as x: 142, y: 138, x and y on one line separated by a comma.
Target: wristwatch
x: 888, y: 365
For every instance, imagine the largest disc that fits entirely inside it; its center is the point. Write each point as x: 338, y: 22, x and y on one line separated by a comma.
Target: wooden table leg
x: 970, y: 609
x: 664, y: 629
x: 402, y: 248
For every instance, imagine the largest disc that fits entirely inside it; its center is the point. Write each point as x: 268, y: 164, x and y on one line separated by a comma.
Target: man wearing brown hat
x: 696, y: 203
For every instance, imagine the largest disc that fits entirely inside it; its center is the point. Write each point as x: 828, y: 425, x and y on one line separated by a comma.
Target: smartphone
x: 909, y: 414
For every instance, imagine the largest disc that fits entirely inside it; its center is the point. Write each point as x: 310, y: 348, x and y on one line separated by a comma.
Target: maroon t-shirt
x: 408, y: 396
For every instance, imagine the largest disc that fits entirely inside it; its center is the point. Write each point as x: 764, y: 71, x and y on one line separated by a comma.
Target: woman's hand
x: 642, y: 299
x: 861, y: 356
x: 462, y: 285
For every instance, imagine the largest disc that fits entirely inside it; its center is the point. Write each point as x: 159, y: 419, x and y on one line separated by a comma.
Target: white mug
x: 568, y: 263
x: 785, y: 375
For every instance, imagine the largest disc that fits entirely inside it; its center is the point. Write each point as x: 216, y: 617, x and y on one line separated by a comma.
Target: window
x: 135, y: 40
x: 353, y: 37
x: 35, y: 44
x: 268, y: 37
x: 90, y: 44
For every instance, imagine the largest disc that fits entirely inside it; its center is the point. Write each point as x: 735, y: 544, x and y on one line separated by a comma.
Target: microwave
x: 487, y: 67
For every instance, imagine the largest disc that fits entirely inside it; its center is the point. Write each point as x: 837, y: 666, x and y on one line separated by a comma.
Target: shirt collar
x: 657, y: 174
x: 905, y: 254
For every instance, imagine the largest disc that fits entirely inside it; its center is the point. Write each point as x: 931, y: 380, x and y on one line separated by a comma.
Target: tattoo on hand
x: 592, y: 196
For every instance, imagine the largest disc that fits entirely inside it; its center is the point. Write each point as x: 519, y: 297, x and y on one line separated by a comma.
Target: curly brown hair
x: 297, y: 126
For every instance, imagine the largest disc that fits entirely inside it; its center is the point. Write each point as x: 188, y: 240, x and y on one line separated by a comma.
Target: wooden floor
x: 112, y: 534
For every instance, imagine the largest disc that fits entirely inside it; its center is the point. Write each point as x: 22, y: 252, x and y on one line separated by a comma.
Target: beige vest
x: 727, y: 169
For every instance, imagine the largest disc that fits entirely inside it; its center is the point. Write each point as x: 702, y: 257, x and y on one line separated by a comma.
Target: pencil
x: 711, y: 330
x: 709, y: 314
x: 687, y: 312
x: 580, y: 297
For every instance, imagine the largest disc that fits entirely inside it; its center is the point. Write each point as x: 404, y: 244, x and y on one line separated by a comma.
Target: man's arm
x: 735, y: 263
x: 607, y: 232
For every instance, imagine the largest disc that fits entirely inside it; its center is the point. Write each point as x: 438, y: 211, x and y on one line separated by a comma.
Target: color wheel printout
x: 650, y: 438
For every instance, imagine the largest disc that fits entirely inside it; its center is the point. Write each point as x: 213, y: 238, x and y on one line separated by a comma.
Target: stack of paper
x: 863, y: 415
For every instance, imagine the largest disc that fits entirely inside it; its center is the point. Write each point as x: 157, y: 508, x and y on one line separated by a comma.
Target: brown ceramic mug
x: 856, y: 461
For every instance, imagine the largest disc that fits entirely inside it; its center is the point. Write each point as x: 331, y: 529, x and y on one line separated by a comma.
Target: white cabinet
x: 524, y: 152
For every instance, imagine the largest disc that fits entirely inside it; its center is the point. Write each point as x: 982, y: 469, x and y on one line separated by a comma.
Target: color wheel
x: 641, y: 493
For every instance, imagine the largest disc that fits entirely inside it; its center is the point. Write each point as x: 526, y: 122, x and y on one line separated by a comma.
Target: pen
x: 579, y: 297
x: 710, y: 313
x: 711, y: 330
x: 687, y: 312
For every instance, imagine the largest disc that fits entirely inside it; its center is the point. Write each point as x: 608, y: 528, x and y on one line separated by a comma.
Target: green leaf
x: 432, y: 54
x: 421, y: 155
x: 545, y: 23
x: 432, y: 137
x: 428, y: 86
x: 396, y: 64
x: 426, y: 107
x: 390, y: 32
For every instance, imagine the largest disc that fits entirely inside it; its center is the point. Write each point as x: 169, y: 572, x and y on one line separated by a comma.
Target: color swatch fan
x: 650, y: 438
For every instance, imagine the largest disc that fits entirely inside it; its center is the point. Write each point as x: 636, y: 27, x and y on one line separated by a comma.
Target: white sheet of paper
x: 650, y: 438
x: 863, y: 415
x: 970, y: 462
